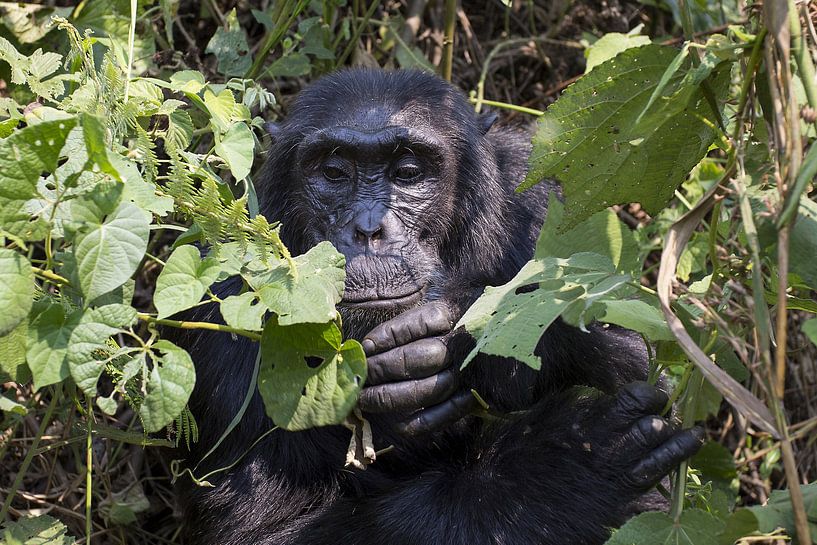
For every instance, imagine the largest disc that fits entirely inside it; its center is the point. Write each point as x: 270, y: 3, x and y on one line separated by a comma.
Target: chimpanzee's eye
x: 334, y: 174
x: 407, y: 171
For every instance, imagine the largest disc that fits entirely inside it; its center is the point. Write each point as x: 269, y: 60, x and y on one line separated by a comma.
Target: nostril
x: 377, y: 234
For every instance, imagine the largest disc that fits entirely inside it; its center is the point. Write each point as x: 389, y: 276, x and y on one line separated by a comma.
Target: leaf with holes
x: 230, y: 48
x: 88, y: 344
x: 26, y: 155
x: 243, y: 311
x: 184, y: 280
x: 509, y: 320
x: 109, y: 252
x: 309, y: 297
x: 307, y: 377
x: 587, y: 139
x: 171, y: 383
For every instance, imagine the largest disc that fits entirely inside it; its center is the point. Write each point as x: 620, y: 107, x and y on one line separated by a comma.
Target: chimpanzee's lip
x: 380, y: 301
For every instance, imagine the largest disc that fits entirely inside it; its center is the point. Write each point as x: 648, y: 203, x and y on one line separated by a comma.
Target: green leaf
x: 88, y: 342
x: 237, y: 148
x: 243, y: 311
x: 639, y: 316
x: 13, y: 348
x: 809, y: 329
x: 804, y: 243
x: 696, y: 527
x: 187, y: 81
x: 41, y: 530
x: 33, y: 151
x: 292, y: 65
x: 108, y: 253
x: 601, y: 163
x: 307, y: 377
x: 222, y: 108
x: 741, y: 523
x: 230, y: 48
x: 184, y: 280
x: 10, y: 406
x: 778, y: 513
x: 602, y: 233
x: 508, y: 320
x: 312, y: 295
x: 48, y: 338
x: 16, y: 289
x: 171, y: 383
x: 610, y: 45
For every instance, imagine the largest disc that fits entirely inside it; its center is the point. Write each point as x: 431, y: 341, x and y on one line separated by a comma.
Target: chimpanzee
x: 417, y: 191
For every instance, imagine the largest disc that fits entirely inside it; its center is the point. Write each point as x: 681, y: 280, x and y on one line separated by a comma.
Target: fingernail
x: 368, y: 346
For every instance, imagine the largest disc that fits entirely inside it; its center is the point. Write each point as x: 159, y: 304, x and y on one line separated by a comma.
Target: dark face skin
x: 375, y: 193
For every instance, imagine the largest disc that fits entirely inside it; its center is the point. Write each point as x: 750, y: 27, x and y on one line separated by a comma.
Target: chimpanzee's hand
x: 411, y: 372
x: 636, y: 443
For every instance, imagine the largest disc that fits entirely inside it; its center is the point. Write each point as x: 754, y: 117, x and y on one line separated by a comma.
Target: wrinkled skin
x: 417, y: 192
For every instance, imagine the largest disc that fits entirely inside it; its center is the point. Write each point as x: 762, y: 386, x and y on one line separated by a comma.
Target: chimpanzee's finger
x: 649, y: 432
x: 428, y: 320
x: 661, y: 460
x: 439, y: 416
x: 418, y: 359
x: 635, y: 400
x: 408, y: 395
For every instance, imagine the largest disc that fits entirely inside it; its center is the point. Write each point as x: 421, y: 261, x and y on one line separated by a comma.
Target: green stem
x: 507, y: 106
x: 198, y: 325
x: 358, y: 31
x: 448, y: 40
x: 89, y: 464
x: 688, y: 420
x: 32, y: 449
x: 131, y: 39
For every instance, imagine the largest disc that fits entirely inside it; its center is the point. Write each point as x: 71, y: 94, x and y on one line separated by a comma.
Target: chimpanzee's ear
x: 273, y: 129
x: 486, y: 121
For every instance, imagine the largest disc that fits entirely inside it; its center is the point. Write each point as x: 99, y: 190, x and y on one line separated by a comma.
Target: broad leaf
x: 312, y: 295
x: 696, y: 527
x: 243, y: 311
x: 13, y: 348
x: 40, y: 530
x: 237, y: 148
x: 610, y: 45
x: 307, y: 377
x: 614, y: 161
x: 184, y: 280
x: 27, y: 154
x: 109, y: 252
x: 48, y: 339
x: 230, y: 48
x: 88, y: 343
x: 171, y: 383
x: 509, y: 320
x: 639, y: 316
x: 16, y: 289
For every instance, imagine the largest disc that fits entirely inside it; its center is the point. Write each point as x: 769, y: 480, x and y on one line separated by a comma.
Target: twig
x: 198, y: 325
x: 448, y: 40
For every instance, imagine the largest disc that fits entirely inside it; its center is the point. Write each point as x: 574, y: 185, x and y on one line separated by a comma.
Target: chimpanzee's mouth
x: 374, y: 300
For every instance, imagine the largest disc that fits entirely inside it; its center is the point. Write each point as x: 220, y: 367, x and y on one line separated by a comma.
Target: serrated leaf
x: 16, y: 289
x: 615, y: 161
x: 108, y: 253
x: 696, y: 527
x: 184, y: 280
x: 187, y: 81
x: 307, y: 377
x: 509, y: 320
x: 222, y: 108
x: 171, y: 382
x: 230, y: 48
x: 40, y: 530
x: 237, y: 148
x: 312, y: 295
x: 88, y: 342
x: 243, y: 311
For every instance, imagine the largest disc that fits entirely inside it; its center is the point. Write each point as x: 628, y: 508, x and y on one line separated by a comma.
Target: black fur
x: 560, y: 473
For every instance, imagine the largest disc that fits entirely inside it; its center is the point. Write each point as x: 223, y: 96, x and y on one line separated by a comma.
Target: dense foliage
x: 126, y: 192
